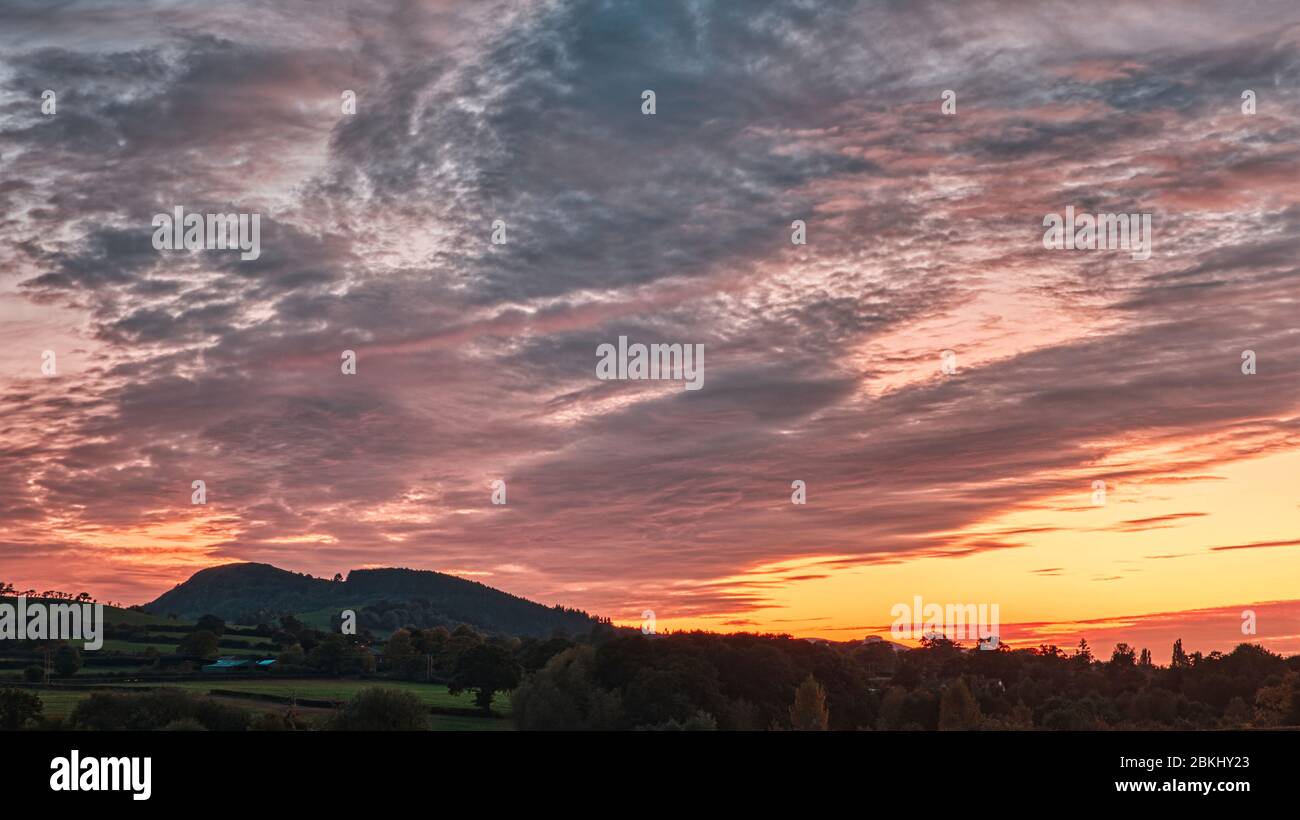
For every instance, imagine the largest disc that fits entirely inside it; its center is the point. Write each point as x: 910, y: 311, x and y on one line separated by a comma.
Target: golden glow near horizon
x: 1097, y: 566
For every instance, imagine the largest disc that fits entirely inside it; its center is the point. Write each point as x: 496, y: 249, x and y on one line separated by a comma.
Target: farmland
x: 434, y: 695
x: 59, y: 702
x: 142, y: 653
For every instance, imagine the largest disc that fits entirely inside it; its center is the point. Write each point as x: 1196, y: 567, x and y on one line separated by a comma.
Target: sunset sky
x: 476, y: 361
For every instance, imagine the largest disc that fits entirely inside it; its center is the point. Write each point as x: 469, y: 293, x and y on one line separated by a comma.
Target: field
x: 60, y: 703
x: 429, y: 694
x: 132, y: 647
x: 128, y: 659
x: 113, y: 669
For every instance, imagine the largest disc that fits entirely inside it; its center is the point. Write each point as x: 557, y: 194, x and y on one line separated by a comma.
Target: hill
x: 384, y: 599
x: 112, y: 614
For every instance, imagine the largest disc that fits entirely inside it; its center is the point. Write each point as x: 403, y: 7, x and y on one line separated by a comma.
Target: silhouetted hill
x: 384, y: 599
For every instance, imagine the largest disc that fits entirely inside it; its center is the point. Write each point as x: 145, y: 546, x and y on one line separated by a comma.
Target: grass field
x: 115, y: 669
x: 455, y: 723
x: 59, y: 704
x: 430, y: 694
x: 170, y: 648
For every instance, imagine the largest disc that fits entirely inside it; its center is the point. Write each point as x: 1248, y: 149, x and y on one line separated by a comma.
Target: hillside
x: 384, y: 599
x: 112, y: 614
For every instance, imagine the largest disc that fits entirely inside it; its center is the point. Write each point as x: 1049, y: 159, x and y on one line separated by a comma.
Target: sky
x: 476, y: 361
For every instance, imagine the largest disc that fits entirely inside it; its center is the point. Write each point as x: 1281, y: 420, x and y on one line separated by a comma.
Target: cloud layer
x: 476, y: 361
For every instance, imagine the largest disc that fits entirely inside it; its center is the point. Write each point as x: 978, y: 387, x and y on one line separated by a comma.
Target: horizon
x: 890, y: 386
x: 1067, y: 641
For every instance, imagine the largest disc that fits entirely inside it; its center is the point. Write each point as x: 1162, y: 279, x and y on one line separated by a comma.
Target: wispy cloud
x: 476, y: 361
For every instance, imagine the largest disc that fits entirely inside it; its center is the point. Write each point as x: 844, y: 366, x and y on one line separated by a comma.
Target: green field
x: 115, y: 669
x: 455, y: 723
x: 59, y: 704
x: 430, y: 694
x: 131, y: 647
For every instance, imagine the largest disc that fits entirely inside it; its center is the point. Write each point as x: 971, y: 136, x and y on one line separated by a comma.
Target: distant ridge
x: 384, y: 599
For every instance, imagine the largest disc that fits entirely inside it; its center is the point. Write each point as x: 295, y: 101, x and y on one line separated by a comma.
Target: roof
x: 227, y: 663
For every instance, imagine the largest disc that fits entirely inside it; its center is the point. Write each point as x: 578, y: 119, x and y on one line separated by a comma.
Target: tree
x: 149, y: 711
x: 1279, y: 704
x: 891, y: 708
x: 1179, y: 658
x: 958, y: 709
x: 1084, y: 652
x: 291, y: 655
x: 484, y: 669
x: 34, y: 674
x: 18, y: 708
x: 701, y: 721
x: 381, y: 710
x: 1237, y: 715
x: 461, y: 639
x: 211, y: 623
x: 809, y: 712
x: 67, y: 660
x: 339, y: 655
x: 200, y: 643
x: 400, y: 657
x: 185, y: 724
x: 564, y: 694
x: 1145, y: 659
x: 1123, y: 657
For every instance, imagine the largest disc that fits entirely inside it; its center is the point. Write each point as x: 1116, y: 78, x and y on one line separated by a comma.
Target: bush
x: 148, y: 711
x: 210, y: 623
x: 188, y: 724
x: 271, y: 722
x: 33, y: 674
x: 67, y: 660
x: 484, y: 670
x: 18, y: 708
x: 381, y: 710
x: 201, y: 643
x: 564, y: 695
x: 699, y: 722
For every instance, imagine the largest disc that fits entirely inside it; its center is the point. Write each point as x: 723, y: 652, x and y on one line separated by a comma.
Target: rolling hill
x: 384, y: 599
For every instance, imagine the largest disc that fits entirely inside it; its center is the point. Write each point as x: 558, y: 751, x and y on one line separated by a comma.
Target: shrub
x: 381, y: 710
x: 18, y: 707
x: 147, y: 711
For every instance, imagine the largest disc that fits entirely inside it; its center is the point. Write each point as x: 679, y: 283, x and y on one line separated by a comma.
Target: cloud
x: 476, y: 361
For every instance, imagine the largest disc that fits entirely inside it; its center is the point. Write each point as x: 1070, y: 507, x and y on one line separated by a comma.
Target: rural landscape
x: 253, y: 647
x: 626, y: 366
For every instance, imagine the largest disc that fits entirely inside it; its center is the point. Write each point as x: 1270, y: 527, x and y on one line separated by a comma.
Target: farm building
x: 234, y: 664
x: 228, y: 664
